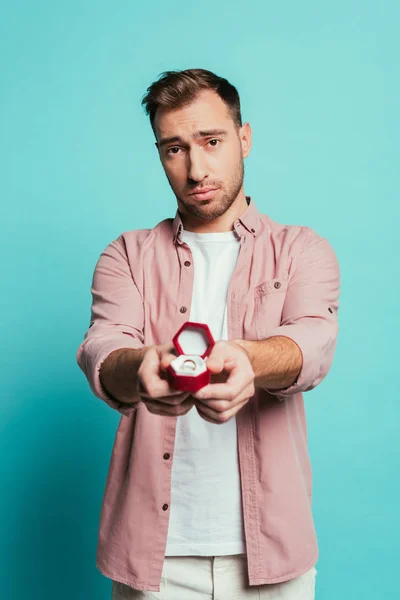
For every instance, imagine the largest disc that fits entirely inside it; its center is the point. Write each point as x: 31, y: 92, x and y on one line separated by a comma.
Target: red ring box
x: 188, y: 372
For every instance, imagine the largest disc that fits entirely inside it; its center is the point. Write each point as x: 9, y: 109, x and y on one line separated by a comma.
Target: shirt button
x: 166, y: 456
x: 277, y: 285
x: 183, y: 309
x: 187, y: 263
x: 165, y: 506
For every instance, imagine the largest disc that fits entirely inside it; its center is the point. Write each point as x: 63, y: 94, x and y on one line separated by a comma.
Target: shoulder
x: 298, y: 237
x: 136, y: 240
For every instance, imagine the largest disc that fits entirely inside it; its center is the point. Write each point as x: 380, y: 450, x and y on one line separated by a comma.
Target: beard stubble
x: 210, y: 210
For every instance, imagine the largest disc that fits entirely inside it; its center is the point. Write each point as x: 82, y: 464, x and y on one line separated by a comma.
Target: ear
x: 245, y: 137
x: 158, y: 150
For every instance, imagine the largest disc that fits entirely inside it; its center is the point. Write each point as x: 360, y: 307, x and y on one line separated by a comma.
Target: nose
x: 197, y: 169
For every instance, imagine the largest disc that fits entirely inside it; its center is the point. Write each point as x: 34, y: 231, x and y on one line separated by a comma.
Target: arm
x: 113, y: 356
x: 276, y: 361
x: 117, y: 320
x: 139, y: 375
x: 118, y: 373
x: 297, y: 355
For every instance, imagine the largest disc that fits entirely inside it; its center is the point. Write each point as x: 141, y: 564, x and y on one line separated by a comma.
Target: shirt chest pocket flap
x: 269, y: 297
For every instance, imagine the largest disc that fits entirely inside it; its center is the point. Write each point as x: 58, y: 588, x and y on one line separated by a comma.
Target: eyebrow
x: 196, y: 135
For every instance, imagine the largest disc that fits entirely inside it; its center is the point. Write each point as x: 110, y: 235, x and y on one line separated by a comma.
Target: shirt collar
x: 249, y: 219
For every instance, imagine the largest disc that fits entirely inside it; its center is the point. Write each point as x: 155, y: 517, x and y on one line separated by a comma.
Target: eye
x: 214, y: 145
x: 171, y: 150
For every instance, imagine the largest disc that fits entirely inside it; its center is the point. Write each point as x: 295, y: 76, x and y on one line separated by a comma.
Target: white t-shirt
x: 206, y: 516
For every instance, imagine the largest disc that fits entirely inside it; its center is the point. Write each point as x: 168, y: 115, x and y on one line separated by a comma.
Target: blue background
x: 319, y: 83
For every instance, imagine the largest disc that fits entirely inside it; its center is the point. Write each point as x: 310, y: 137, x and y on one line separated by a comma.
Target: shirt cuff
x: 91, y: 355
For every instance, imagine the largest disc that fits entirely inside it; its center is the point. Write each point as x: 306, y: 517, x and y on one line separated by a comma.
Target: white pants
x: 216, y: 578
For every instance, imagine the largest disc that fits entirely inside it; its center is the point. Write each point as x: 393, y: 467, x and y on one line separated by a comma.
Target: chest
x: 252, y: 283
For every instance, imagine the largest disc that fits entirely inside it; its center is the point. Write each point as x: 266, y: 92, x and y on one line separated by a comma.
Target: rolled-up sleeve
x: 310, y: 312
x: 117, y: 318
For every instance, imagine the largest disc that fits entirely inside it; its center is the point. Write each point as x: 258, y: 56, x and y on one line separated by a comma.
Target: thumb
x: 166, y: 360
x: 215, y: 364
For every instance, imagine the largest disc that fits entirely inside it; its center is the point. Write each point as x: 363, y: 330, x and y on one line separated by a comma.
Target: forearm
x: 276, y: 361
x: 118, y: 373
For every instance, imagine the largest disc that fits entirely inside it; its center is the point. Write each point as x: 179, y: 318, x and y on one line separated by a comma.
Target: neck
x: 220, y: 224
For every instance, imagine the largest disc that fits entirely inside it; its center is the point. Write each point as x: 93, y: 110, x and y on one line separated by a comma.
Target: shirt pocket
x: 269, y: 297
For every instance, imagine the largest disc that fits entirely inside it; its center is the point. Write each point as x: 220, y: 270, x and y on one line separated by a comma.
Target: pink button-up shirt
x: 286, y: 283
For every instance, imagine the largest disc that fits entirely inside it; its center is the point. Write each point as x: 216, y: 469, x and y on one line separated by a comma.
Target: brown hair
x: 175, y: 89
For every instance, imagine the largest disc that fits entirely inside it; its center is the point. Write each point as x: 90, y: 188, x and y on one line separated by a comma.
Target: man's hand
x: 153, y: 387
x: 232, y: 383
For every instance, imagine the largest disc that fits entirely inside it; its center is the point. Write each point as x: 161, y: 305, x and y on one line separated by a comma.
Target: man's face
x: 202, y: 152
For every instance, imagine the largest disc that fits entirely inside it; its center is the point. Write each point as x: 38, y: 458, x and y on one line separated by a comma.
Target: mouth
x: 204, y: 194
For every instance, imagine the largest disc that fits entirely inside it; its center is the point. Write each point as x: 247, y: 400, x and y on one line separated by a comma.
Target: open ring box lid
x: 193, y: 342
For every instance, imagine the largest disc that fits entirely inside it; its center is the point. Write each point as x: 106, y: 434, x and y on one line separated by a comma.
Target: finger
x: 155, y: 387
x: 215, y: 364
x: 218, y: 418
x: 172, y: 397
x: 220, y: 406
x: 166, y: 360
x: 149, y: 371
x: 150, y: 382
x: 236, y: 383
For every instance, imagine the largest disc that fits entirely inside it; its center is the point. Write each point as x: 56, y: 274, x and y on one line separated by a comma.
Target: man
x: 209, y: 495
